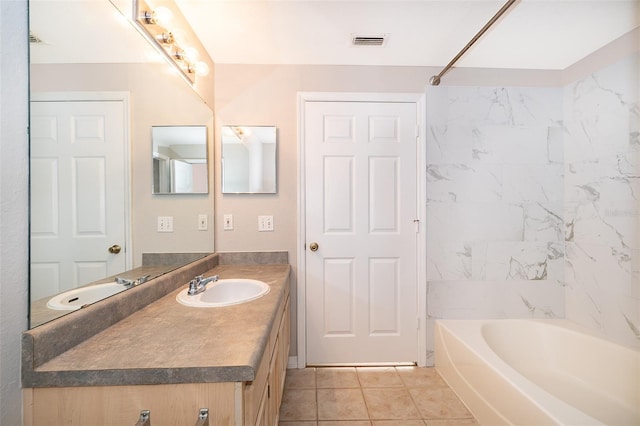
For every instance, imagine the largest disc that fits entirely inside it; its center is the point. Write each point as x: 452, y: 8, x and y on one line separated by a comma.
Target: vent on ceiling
x: 34, y: 38
x: 368, y: 40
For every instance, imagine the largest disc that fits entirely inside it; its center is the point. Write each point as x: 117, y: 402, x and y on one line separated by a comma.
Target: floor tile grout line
x: 362, y: 389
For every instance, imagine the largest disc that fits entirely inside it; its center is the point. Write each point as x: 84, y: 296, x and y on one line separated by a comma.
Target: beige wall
x: 157, y: 97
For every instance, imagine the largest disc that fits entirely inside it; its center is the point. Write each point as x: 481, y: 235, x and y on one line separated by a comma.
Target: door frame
x: 421, y: 261
x: 123, y: 97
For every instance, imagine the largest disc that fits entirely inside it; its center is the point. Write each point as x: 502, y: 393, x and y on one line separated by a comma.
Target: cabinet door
x: 254, y: 392
x: 262, y: 418
x: 273, y: 391
x: 283, y: 348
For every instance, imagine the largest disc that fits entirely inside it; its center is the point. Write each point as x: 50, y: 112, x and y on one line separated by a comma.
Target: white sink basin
x: 225, y: 293
x: 78, y: 297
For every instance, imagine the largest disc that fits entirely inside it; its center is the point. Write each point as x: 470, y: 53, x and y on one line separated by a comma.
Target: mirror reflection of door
x: 161, y: 174
x: 180, y: 160
x: 78, y: 193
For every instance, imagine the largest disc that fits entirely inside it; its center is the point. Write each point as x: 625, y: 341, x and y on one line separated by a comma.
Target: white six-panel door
x: 78, y: 193
x: 360, y: 212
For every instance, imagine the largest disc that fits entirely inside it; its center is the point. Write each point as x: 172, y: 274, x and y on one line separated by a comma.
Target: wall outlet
x: 265, y: 223
x: 203, y: 222
x: 165, y: 223
x: 227, y: 222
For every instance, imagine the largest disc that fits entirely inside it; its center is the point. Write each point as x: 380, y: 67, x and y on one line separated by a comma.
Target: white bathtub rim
x: 471, y: 407
x: 549, y: 404
x: 545, y: 402
x: 556, y: 409
x: 615, y: 352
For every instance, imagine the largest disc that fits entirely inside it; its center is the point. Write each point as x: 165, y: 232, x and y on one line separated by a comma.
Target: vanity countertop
x: 166, y: 342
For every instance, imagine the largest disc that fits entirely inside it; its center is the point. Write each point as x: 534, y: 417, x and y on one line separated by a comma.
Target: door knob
x: 115, y: 249
x: 313, y: 246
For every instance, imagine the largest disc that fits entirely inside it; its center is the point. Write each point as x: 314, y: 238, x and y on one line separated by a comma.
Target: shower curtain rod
x: 435, y: 80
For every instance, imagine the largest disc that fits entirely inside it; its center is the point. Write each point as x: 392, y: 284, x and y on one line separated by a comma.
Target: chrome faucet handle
x: 125, y: 281
x: 193, y: 286
x: 199, y: 278
x: 143, y: 279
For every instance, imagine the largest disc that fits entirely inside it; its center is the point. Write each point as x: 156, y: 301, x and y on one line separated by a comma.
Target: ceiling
x: 533, y: 34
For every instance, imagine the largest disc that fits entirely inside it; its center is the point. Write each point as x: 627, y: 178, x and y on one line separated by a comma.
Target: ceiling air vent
x: 369, y: 40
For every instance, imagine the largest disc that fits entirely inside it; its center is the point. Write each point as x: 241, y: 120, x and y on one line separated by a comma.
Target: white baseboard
x: 293, y: 362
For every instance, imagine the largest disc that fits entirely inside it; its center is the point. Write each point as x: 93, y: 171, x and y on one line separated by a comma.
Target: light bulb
x: 201, y: 68
x: 191, y: 54
x: 163, y: 16
x: 179, y: 37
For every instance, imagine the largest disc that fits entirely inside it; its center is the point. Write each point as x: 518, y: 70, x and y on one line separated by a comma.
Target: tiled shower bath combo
x: 533, y: 202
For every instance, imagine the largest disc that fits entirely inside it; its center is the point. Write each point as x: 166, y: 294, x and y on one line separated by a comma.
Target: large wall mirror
x: 97, y: 89
x: 249, y: 159
x: 179, y: 159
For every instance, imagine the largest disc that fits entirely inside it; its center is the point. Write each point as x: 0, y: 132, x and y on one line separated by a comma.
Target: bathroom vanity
x: 162, y: 356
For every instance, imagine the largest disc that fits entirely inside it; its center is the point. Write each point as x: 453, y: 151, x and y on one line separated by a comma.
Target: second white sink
x: 225, y: 293
x: 78, y: 297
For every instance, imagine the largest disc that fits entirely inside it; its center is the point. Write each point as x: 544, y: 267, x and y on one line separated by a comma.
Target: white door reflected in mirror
x: 249, y: 159
x: 180, y: 160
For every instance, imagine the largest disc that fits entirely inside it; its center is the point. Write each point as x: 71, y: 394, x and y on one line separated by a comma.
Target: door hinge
x: 416, y: 223
x: 417, y: 131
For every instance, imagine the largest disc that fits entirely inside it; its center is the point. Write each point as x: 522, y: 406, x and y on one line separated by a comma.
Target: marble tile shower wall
x: 602, y: 207
x: 495, y: 231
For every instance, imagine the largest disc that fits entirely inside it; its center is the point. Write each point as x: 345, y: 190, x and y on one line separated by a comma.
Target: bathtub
x: 538, y: 372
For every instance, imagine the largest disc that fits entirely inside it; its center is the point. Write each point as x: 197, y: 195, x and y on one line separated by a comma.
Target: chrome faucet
x: 131, y: 283
x: 199, y: 284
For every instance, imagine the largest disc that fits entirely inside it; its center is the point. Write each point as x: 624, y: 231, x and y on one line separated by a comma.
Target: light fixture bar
x: 163, y: 40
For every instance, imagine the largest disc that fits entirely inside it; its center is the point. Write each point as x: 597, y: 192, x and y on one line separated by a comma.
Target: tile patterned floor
x: 370, y: 396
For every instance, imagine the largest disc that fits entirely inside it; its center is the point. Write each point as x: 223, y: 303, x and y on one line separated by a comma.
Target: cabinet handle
x: 268, y: 391
x: 145, y: 418
x: 203, y: 417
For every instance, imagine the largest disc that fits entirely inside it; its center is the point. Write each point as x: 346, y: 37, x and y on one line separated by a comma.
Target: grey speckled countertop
x: 40, y: 314
x: 166, y: 342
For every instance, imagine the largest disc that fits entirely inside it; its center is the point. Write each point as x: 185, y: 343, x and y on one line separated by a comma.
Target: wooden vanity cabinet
x: 229, y: 403
x: 263, y: 396
x: 173, y: 404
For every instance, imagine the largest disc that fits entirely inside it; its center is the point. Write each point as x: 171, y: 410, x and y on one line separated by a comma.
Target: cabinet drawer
x: 121, y: 405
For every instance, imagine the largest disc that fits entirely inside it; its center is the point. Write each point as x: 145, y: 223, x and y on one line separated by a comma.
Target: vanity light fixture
x: 240, y: 131
x: 153, y: 23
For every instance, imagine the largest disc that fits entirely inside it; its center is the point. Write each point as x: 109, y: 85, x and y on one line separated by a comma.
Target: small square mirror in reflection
x: 249, y: 159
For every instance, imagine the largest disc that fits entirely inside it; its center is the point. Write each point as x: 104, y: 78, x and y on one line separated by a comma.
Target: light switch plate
x: 227, y: 222
x: 203, y: 222
x: 165, y: 223
x: 265, y: 223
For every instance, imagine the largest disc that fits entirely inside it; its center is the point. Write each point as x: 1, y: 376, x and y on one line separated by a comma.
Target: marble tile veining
x: 602, y: 214
x: 532, y: 202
